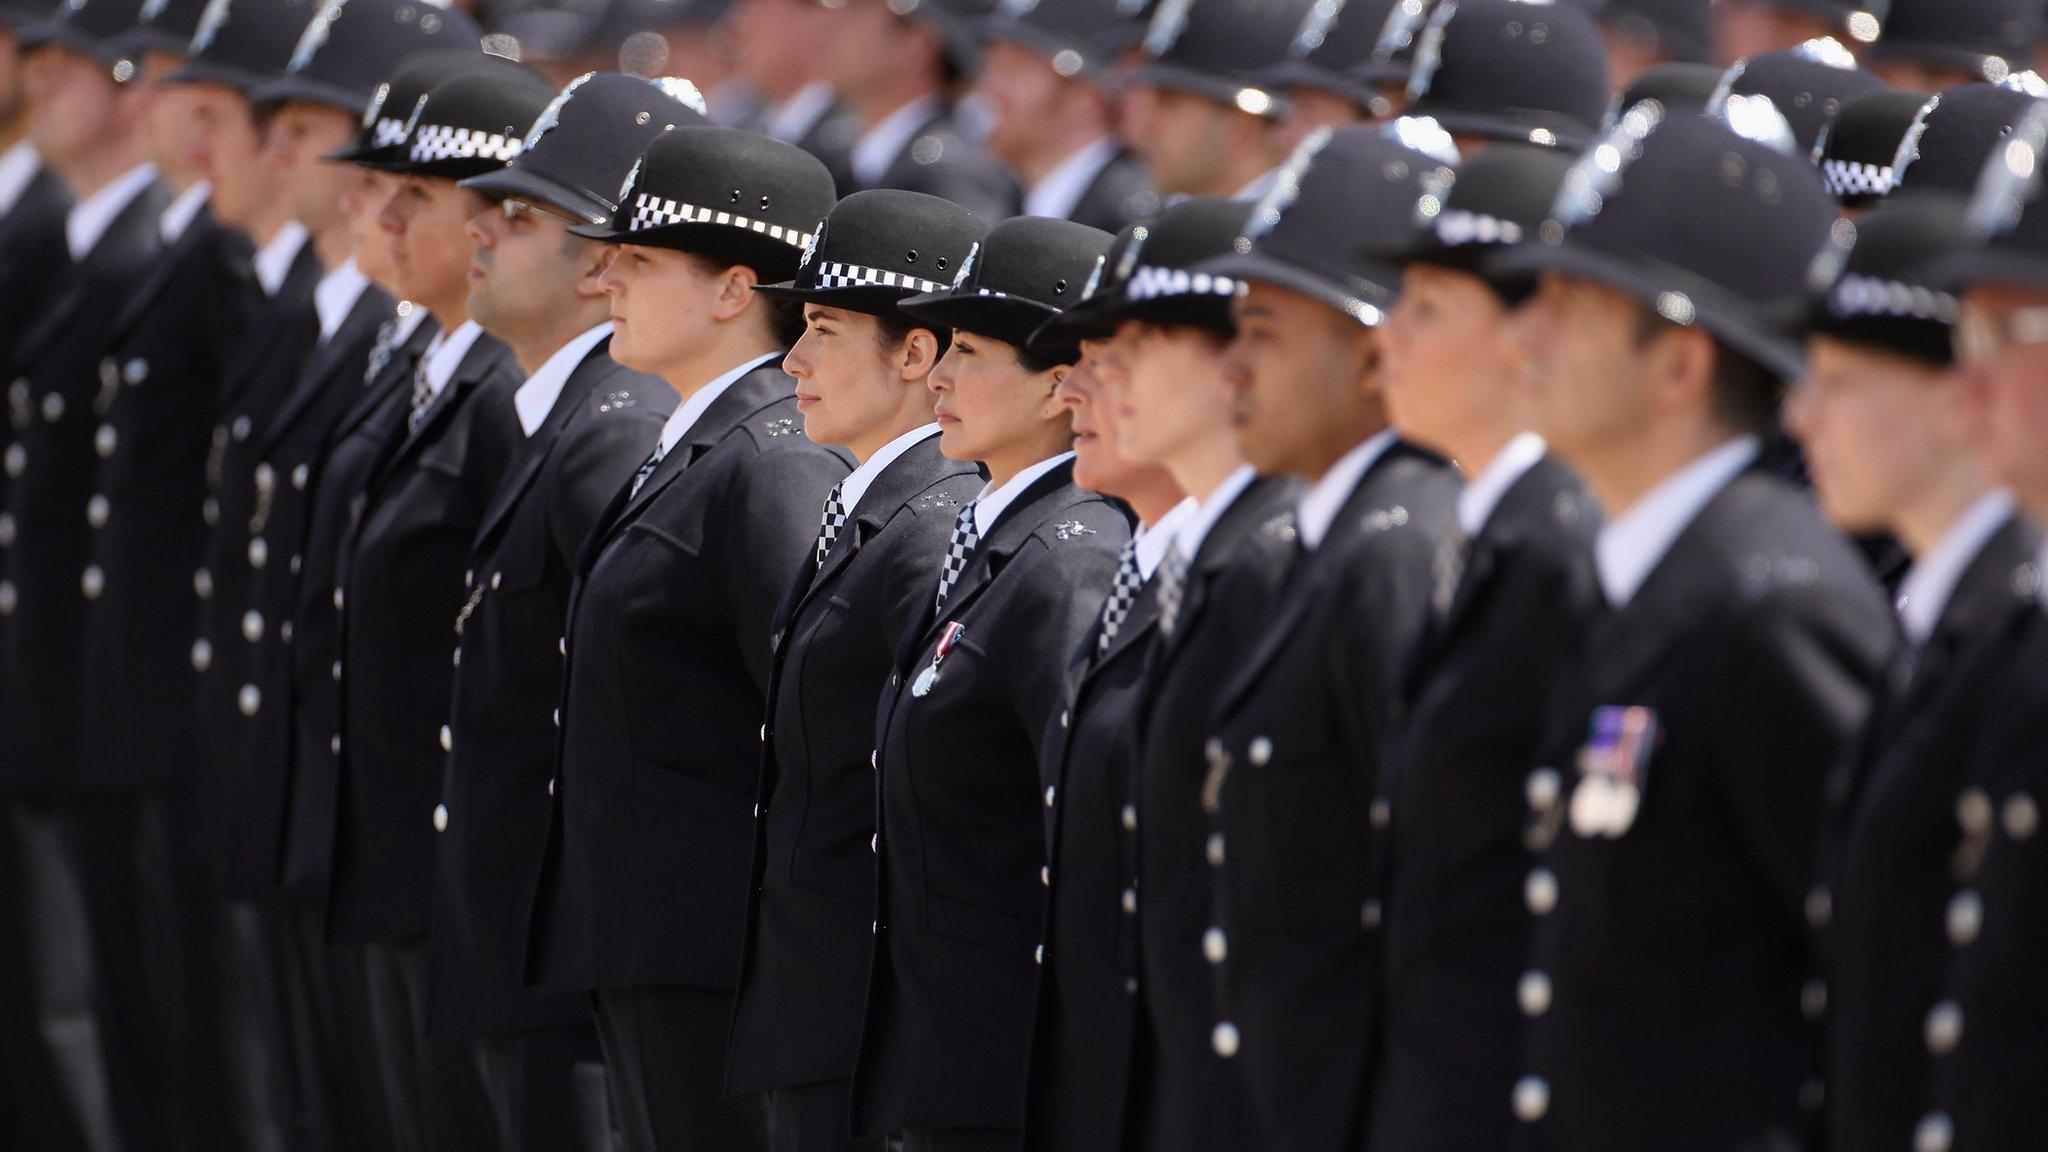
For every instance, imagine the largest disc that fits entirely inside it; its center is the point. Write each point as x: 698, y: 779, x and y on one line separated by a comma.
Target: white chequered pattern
x: 833, y: 274
x: 655, y: 212
x: 1152, y: 282
x: 443, y: 142
x: 1854, y: 178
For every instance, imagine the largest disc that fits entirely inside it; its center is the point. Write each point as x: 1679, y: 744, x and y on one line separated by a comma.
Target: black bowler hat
x: 1027, y: 270
x: 1078, y: 37
x: 1508, y: 70
x: 352, y: 46
x: 1153, y: 272
x: 1702, y: 225
x: 1333, y: 51
x: 1989, y: 39
x: 1345, y: 194
x: 876, y: 247
x: 1859, y: 153
x: 1679, y: 29
x: 1496, y: 200
x: 1957, y: 133
x: 244, y: 43
x: 91, y: 28
x: 1861, y: 20
x: 163, y: 26
x: 380, y: 137
x: 2008, y: 216
x: 583, y: 145
x: 471, y: 124
x: 1876, y: 292
x: 1808, y: 85
x: 1683, y: 86
x: 1216, y: 48
x: 17, y: 14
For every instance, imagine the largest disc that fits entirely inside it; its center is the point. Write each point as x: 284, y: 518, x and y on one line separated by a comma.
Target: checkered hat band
x: 1855, y: 178
x: 833, y: 274
x: 443, y: 142
x: 388, y: 133
x: 1151, y: 282
x: 1856, y: 296
x: 655, y: 212
x: 1456, y: 229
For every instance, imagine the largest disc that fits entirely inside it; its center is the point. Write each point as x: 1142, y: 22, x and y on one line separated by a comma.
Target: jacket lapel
x: 482, y: 357
x: 993, y: 552
x: 535, y: 450
x: 340, y: 351
x: 396, y: 374
x: 138, y: 217
x: 904, y: 478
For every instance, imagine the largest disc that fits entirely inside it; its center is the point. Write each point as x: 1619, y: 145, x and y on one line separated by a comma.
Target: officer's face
x: 1029, y: 99
x: 852, y: 381
x: 1881, y: 432
x: 990, y: 407
x: 1176, y: 399
x: 1302, y: 373
x: 1587, y: 358
x: 526, y: 268
x: 298, y: 135
x: 13, y: 89
x: 245, y: 182
x: 1307, y: 110
x: 1190, y: 141
x: 1090, y: 392
x: 363, y: 204
x: 1450, y: 367
x: 2004, y: 341
x: 870, y: 47
x: 776, y: 40
x: 1745, y: 28
x: 74, y: 103
x: 426, y: 223
x: 663, y: 306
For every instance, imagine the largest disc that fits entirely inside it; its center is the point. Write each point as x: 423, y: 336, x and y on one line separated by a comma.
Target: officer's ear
x: 735, y: 292
x: 591, y: 261
x: 917, y: 353
x: 1681, y: 367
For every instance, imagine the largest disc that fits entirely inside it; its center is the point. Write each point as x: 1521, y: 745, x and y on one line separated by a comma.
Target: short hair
x: 893, y: 328
x: 785, y: 318
x: 1743, y: 394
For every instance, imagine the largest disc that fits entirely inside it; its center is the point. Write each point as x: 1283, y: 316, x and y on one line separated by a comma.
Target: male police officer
x: 1203, y: 112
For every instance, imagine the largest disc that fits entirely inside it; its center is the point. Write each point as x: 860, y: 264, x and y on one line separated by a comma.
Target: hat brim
x: 1224, y: 89
x: 1747, y: 328
x: 1006, y: 318
x: 300, y: 88
x: 1099, y: 317
x: 456, y: 168
x: 1474, y: 260
x: 872, y: 300
x: 1261, y: 268
x: 771, y: 260
x: 1962, y: 271
x: 203, y: 72
x: 1564, y: 132
x: 1095, y: 56
x: 1345, y: 85
x: 54, y: 34
x: 503, y: 183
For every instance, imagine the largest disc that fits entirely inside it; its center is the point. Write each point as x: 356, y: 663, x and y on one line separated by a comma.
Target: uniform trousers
x: 338, y: 1101
x: 963, y: 1140
x: 431, y: 1087
x: 546, y: 1089
x: 813, y: 1118
x: 664, y: 1056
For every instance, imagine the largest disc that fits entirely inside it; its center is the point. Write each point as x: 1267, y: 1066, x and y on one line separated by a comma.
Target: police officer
x: 1045, y: 72
x: 1956, y: 135
x: 1859, y: 153
x: 1675, y: 840
x: 33, y: 198
x: 784, y: 56
x: 1883, y: 419
x: 1498, y: 70
x: 587, y: 423
x: 978, y: 679
x: 1933, y: 45
x: 1202, y: 115
x: 643, y: 887
x: 861, y: 369
x: 1746, y: 28
x: 1807, y: 86
x: 1292, y: 927
x: 404, y: 585
x: 1646, y: 34
x: 1335, y: 73
x: 1510, y: 590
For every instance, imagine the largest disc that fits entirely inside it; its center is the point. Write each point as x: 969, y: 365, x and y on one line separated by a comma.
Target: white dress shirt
x: 1150, y: 541
x: 335, y: 296
x: 407, y: 320
x: 1929, y: 583
x: 184, y: 208
x: 1059, y: 190
x: 1325, y: 498
x: 89, y: 219
x: 536, y: 398
x: 1478, y: 499
x: 690, y: 410
x: 991, y: 502
x: 857, y: 481
x: 1211, y: 508
x: 794, y: 118
x: 445, y: 352
x: 18, y: 166
x: 1631, y: 544
x: 273, y: 261
x: 879, y: 146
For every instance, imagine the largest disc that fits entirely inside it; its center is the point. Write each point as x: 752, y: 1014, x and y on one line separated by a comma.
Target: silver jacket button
x: 440, y: 817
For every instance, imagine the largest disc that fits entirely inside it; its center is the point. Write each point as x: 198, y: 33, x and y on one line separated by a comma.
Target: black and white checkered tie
x: 1449, y: 568
x: 1122, y: 591
x: 1173, y: 587
x: 958, y: 549
x: 380, y: 352
x: 647, y: 467
x: 422, y: 396
x: 834, y: 520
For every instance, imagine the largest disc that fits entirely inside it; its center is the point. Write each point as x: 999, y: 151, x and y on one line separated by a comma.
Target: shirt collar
x: 1326, y: 497
x: 1477, y: 500
x: 1924, y: 593
x: 536, y: 398
x: 1150, y: 542
x: 1260, y: 185
x: 879, y: 146
x: 336, y: 294
x: 1631, y: 545
x: 691, y: 410
x: 795, y: 117
x: 274, y: 260
x: 1195, y: 528
x: 857, y: 481
x: 184, y: 208
x: 18, y: 166
x: 407, y: 316
x: 445, y: 352
x: 90, y: 218
x: 992, y: 502
x: 2041, y: 567
x: 1059, y: 190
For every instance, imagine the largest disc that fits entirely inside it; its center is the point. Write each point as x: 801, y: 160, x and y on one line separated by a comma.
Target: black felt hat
x: 1702, y: 225
x: 876, y: 247
x: 2008, y: 217
x: 1218, y: 48
x: 1860, y: 20
x: 93, y: 28
x: 1876, y: 293
x: 1989, y: 39
x: 1808, y: 85
x: 1955, y: 136
x: 1333, y: 51
x: 244, y: 43
x: 1152, y: 272
x: 1681, y: 86
x: 583, y: 144
x: 1027, y: 270
x: 163, y: 26
x: 1496, y: 200
x: 1859, y: 153
x: 380, y: 138
x: 1078, y: 37
x: 472, y: 124
x: 1506, y: 70
x: 352, y: 46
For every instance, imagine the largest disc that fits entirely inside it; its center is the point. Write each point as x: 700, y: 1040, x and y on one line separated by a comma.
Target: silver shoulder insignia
x: 1382, y: 519
x: 1280, y: 527
x: 1069, y: 529
x: 935, y: 500
x: 784, y: 427
x: 615, y: 401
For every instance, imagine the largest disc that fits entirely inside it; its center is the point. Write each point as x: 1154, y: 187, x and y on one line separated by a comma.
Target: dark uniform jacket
x: 1882, y: 911
x: 1692, y: 738
x: 645, y: 877
x: 50, y: 467
x: 961, y: 816
x: 508, y: 680
x: 1121, y: 194
x: 289, y: 452
x: 1452, y: 871
x: 941, y: 160
x: 33, y: 255
x: 400, y: 593
x: 1289, y: 779
x: 347, y: 456
x: 812, y: 907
